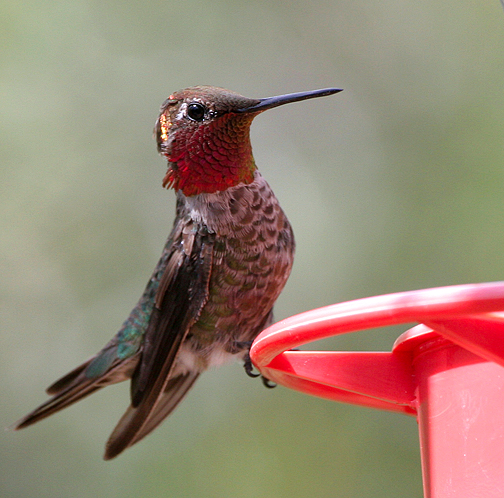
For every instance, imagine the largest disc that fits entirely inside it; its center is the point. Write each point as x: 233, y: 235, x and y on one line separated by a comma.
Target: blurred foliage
x: 394, y: 184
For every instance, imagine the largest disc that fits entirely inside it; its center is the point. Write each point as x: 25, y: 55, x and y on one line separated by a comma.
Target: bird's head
x: 204, y: 132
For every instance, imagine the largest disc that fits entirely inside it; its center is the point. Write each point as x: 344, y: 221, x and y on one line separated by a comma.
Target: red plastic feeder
x: 448, y: 371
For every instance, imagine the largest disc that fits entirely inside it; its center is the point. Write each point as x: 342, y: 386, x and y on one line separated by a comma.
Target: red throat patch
x: 210, y: 157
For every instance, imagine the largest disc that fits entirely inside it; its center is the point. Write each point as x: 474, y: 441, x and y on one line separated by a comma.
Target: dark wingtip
x: 108, y: 455
x: 114, y: 448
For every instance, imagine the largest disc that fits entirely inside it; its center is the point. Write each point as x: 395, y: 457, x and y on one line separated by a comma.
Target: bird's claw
x: 249, y: 370
x: 267, y: 383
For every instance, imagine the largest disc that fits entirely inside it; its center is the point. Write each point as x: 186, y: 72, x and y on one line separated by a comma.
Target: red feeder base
x: 448, y: 371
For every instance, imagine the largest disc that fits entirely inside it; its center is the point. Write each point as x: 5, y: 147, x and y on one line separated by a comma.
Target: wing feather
x: 175, y: 391
x: 182, y: 293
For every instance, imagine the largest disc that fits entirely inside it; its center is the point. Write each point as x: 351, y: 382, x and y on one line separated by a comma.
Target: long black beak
x: 271, y: 102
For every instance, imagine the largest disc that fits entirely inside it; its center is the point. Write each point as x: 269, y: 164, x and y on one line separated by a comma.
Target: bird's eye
x: 196, y: 111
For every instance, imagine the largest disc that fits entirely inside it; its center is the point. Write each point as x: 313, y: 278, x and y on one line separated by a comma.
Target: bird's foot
x: 249, y: 367
x: 267, y: 383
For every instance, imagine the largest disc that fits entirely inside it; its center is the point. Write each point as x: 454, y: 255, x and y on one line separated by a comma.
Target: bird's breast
x: 252, y: 259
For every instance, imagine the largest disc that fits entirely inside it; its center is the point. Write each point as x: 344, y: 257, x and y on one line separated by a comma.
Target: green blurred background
x: 394, y: 184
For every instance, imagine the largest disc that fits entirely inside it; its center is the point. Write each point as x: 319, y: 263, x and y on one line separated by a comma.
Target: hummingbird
x: 225, y: 262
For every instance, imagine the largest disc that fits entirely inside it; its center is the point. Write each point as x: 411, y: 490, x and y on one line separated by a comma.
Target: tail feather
x: 74, y: 386
x: 55, y: 404
x: 67, y: 380
x: 127, y: 432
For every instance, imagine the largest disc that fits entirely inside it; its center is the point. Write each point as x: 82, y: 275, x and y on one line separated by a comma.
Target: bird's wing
x: 172, y: 395
x: 182, y: 293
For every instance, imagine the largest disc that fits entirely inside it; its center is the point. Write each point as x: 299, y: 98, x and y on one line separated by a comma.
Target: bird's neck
x: 216, y: 157
x: 221, y: 212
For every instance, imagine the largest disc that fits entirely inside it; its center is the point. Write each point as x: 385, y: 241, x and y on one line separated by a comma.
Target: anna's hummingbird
x: 224, y: 265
